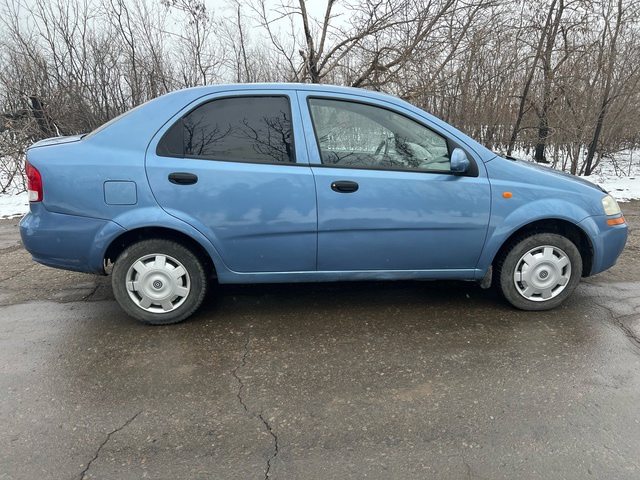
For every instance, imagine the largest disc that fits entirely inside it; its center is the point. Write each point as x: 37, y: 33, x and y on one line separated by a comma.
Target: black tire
x: 539, y: 271
x: 159, y: 282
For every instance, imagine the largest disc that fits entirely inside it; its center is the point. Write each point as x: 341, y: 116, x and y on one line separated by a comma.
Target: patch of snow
x: 620, y: 177
x: 622, y: 189
x: 14, y: 205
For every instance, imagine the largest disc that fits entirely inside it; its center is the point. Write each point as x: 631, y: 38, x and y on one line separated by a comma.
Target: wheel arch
x: 558, y: 226
x: 130, y: 237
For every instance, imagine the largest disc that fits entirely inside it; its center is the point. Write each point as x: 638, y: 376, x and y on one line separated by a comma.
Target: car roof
x: 316, y: 87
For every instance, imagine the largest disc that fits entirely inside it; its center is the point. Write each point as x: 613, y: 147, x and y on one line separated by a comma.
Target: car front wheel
x: 159, y: 282
x: 539, y: 271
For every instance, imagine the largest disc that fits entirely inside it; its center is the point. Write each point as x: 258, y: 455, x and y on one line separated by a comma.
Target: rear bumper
x: 66, y: 241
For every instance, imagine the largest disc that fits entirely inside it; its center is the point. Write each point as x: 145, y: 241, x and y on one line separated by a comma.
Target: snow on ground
x: 620, y: 179
x: 624, y: 185
x: 12, y: 206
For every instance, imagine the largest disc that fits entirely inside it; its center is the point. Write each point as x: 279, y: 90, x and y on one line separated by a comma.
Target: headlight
x: 610, y: 206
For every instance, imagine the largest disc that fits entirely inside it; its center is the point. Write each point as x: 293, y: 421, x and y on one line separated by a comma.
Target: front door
x: 387, y: 199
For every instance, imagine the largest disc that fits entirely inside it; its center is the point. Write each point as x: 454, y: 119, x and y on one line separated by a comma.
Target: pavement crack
x: 260, y: 416
x: 619, y: 321
x: 275, y: 446
x: 109, y: 435
x: 243, y: 363
x: 20, y: 273
x: 87, y: 297
x: 628, y: 331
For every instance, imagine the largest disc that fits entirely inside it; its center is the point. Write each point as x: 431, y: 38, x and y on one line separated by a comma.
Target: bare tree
x: 199, y: 55
x: 531, y: 68
x: 614, y: 17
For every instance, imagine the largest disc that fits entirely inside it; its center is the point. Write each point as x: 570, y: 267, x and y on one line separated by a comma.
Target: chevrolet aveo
x: 305, y: 183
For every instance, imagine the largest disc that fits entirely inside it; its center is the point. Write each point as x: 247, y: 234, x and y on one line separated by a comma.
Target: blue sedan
x: 305, y: 183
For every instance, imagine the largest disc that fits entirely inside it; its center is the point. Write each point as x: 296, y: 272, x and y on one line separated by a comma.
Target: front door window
x: 358, y: 135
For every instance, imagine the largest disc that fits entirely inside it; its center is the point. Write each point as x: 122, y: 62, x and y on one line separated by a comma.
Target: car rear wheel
x: 159, y: 282
x: 539, y: 271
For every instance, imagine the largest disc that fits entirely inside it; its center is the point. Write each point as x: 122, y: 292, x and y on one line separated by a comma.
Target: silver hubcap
x: 542, y: 273
x: 158, y: 283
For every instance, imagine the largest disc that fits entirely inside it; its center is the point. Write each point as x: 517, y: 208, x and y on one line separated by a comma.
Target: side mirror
x: 459, y: 161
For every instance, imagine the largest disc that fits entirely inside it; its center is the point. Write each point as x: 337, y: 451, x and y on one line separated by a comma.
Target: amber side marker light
x: 507, y: 194
x: 616, y: 221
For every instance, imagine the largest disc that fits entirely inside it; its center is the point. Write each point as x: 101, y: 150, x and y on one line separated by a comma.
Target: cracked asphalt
x: 366, y: 380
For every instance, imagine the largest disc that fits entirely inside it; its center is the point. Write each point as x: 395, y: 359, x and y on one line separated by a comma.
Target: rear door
x: 387, y: 199
x: 231, y: 168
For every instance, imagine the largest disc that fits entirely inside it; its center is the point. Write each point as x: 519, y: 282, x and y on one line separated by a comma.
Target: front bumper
x: 607, y: 241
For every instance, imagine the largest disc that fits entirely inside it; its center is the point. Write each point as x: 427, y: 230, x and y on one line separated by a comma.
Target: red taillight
x: 34, y: 183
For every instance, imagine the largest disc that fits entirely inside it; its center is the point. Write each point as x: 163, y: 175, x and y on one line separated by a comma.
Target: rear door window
x: 239, y: 129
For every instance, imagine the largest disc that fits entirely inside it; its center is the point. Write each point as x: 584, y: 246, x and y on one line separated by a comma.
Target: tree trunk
x: 527, y: 86
x: 548, y: 73
x: 593, y: 146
